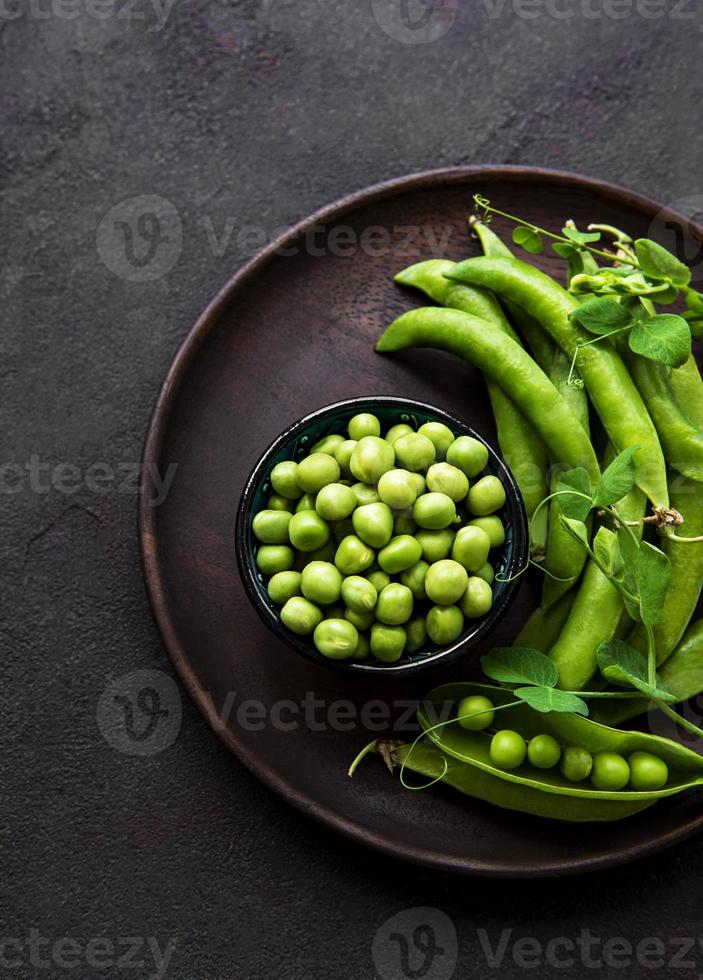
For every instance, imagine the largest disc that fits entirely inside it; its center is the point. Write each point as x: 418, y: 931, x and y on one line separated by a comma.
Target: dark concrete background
x: 250, y: 115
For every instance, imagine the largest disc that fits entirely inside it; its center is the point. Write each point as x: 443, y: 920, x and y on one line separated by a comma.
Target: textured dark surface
x: 246, y: 116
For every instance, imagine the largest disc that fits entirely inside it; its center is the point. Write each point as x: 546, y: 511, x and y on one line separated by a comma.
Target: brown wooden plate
x: 292, y: 331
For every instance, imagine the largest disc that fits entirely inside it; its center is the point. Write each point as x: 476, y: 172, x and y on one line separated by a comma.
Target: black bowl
x: 294, y: 443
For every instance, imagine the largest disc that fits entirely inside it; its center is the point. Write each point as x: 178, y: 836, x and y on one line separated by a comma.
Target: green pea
x: 372, y: 457
x: 271, y: 526
x: 353, y: 555
x: 398, y: 489
x: 283, y: 586
x: 420, y: 483
x: 306, y: 502
x: 471, y: 547
x: 414, y: 452
x: 475, y: 713
x: 365, y: 493
x: 277, y: 502
x: 494, y: 528
x: 387, y: 642
x: 440, y: 435
x: 414, y: 578
x: 576, y: 764
x: 508, y: 749
x: 335, y: 502
x: 374, y: 524
x: 435, y: 545
x: 434, y: 511
x: 284, y: 480
x: 543, y: 751
x: 336, y: 639
x: 342, y: 529
x: 400, y: 553
x: 404, y: 524
x: 647, y: 772
x: 416, y: 633
x: 272, y: 558
x: 321, y: 582
x: 343, y: 455
x: 477, y: 600
x: 445, y: 478
x: 363, y: 425
x: 444, y: 624
x: 446, y: 582
x: 300, y: 615
x: 396, y: 431
x: 395, y: 604
x: 486, y: 496
x: 328, y: 444
x: 468, y: 454
x: 359, y: 594
x: 361, y: 620
x: 316, y: 471
x: 378, y: 579
x: 487, y: 573
x: 308, y: 531
x: 610, y: 771
x: 363, y: 647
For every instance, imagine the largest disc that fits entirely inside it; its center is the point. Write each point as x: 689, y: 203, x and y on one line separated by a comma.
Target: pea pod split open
x: 608, y: 382
x: 472, y: 748
x: 505, y: 362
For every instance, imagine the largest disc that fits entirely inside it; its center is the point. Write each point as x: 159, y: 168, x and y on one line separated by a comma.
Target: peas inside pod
x: 374, y: 545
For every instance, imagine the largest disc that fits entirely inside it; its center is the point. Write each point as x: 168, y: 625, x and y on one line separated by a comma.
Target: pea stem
x: 683, y: 722
x: 367, y: 750
x: 651, y: 657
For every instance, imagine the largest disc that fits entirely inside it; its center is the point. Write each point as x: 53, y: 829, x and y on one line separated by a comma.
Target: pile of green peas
x: 641, y: 771
x: 378, y: 545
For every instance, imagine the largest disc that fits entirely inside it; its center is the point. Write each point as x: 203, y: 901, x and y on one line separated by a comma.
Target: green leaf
x: 652, y: 574
x: 564, y: 250
x: 618, y: 479
x: 658, y: 263
x: 606, y: 548
x: 529, y: 239
x: 623, y: 666
x: 601, y: 316
x: 694, y: 300
x: 572, y: 505
x: 520, y: 665
x: 665, y: 338
x: 581, y: 237
x: 546, y: 699
x: 577, y: 529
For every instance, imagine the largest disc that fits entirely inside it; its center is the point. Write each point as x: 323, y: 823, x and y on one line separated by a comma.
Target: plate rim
x: 147, y: 533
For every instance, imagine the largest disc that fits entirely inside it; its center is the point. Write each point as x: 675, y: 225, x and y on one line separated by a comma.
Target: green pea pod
x: 686, y: 580
x: 595, y: 615
x: 522, y: 448
x: 681, y: 438
x: 611, y: 389
x: 685, y: 766
x: 505, y: 362
x: 687, y: 385
x: 428, y: 761
x: 543, y: 628
x: 682, y: 675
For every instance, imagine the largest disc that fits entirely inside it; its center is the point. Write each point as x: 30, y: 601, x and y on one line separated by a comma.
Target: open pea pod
x: 685, y: 766
x: 429, y: 761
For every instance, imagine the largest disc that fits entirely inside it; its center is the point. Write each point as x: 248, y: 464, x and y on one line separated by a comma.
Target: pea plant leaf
x: 624, y: 666
x: 572, y: 504
x: 520, y: 665
x: 606, y: 548
x: 652, y: 574
x: 664, y: 337
x: 546, y: 699
x: 618, y: 479
x: 577, y: 529
x: 580, y: 237
x: 658, y: 263
x: 529, y: 239
x: 564, y: 250
x: 601, y: 316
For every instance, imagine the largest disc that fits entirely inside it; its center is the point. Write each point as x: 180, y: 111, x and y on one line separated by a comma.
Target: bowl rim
x: 371, y: 667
